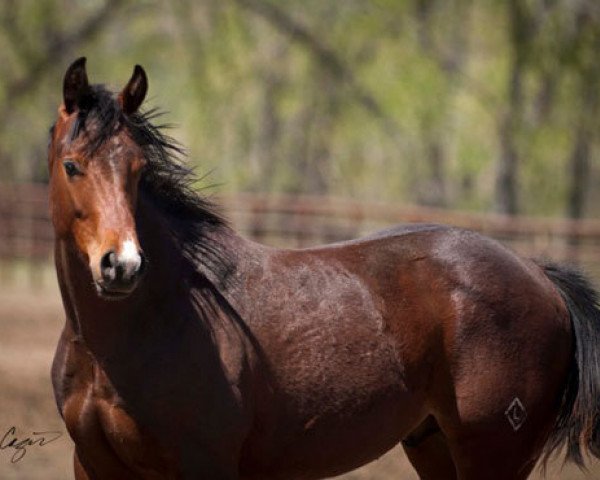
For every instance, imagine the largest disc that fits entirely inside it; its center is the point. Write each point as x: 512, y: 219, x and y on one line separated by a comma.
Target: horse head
x: 95, y: 167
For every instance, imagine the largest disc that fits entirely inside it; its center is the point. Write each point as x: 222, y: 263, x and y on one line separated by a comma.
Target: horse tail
x: 577, y: 425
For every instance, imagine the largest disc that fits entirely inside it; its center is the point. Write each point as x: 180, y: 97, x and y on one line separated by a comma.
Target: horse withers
x: 189, y: 352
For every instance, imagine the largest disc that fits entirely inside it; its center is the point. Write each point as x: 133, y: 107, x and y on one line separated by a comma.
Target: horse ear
x: 74, y: 84
x: 132, y: 96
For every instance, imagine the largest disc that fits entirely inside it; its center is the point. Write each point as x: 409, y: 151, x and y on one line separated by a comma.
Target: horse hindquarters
x: 550, y: 410
x: 509, y: 360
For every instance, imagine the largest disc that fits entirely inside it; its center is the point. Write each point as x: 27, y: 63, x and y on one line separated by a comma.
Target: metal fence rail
x: 298, y: 221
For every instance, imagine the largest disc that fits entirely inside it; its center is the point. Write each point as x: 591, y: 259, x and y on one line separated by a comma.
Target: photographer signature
x: 10, y: 440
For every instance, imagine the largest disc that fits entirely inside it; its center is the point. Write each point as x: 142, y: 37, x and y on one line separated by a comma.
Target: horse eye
x: 71, y: 168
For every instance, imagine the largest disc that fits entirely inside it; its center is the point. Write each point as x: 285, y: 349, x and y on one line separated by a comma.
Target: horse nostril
x: 108, y: 266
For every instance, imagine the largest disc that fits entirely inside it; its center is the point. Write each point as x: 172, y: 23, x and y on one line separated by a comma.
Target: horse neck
x: 177, y: 284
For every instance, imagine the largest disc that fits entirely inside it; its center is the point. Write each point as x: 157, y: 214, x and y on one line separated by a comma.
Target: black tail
x: 578, y: 423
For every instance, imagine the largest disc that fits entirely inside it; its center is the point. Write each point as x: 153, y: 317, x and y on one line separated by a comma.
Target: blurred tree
x: 458, y: 103
x: 586, y: 45
x: 521, y: 29
x: 37, y: 38
x: 444, y: 40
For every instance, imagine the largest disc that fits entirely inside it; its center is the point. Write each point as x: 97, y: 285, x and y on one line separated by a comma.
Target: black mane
x: 166, y: 179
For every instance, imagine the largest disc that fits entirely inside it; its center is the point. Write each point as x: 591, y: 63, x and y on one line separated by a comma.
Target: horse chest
x: 106, y: 435
x: 89, y: 415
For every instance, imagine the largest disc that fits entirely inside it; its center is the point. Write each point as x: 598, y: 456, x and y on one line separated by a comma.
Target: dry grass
x: 30, y: 323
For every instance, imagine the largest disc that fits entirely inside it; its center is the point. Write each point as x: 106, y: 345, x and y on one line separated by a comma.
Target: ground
x: 31, y: 317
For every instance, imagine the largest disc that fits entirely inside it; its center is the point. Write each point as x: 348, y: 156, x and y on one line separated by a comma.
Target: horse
x: 189, y: 352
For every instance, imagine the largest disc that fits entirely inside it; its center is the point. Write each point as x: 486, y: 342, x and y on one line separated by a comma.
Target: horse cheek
x: 62, y: 211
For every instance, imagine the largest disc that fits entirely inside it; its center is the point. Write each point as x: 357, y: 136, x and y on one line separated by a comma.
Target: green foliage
x: 380, y: 99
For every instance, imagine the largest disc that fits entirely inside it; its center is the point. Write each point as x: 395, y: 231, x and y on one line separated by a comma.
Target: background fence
x: 297, y: 221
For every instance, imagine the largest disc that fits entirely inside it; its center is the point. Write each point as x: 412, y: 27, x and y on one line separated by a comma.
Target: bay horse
x: 189, y: 352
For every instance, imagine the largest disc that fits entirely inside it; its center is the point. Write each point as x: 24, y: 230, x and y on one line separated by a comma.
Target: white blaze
x: 129, y: 254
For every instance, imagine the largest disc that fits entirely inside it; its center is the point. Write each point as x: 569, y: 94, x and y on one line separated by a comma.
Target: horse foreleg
x: 428, y: 452
x: 80, y: 472
x: 486, y: 457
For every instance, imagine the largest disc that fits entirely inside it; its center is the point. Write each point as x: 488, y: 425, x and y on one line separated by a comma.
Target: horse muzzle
x: 120, y: 273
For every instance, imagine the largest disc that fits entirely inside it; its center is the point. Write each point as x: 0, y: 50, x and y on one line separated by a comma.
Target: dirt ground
x: 30, y: 322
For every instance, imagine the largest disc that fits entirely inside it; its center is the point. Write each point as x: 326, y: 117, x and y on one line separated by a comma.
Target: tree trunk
x: 509, y: 125
x: 579, y: 163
